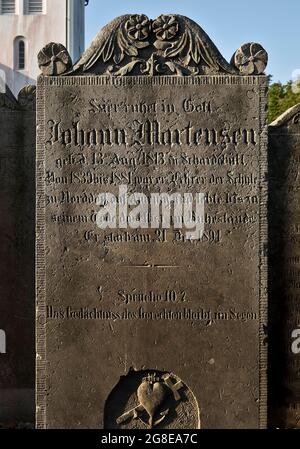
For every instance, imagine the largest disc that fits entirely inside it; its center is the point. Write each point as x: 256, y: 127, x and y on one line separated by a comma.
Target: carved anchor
x: 151, y: 394
x: 134, y: 413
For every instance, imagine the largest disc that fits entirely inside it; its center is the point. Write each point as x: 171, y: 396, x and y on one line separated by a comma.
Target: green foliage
x: 281, y: 98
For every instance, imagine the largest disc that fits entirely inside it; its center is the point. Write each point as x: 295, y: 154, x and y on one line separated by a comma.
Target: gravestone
x: 17, y: 310
x: 141, y: 324
x: 285, y: 270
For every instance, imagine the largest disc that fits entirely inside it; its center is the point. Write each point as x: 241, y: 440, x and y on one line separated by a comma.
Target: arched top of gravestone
x: 168, y: 45
x: 26, y: 99
x: 289, y: 117
x: 7, y: 99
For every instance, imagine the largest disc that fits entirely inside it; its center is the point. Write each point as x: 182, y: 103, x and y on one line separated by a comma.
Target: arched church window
x: 21, y: 59
x: 20, y: 53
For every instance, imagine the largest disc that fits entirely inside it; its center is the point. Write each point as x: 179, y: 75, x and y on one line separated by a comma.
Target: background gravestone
x: 17, y: 311
x: 141, y: 328
x: 284, y: 383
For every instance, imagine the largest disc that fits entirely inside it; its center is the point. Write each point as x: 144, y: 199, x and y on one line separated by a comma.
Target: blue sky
x: 229, y: 23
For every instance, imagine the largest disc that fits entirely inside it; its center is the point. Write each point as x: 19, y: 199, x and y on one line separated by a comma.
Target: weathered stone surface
x: 284, y: 246
x: 17, y: 311
x: 140, y: 328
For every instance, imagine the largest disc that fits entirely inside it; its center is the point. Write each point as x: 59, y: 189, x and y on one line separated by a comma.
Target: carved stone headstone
x: 17, y: 311
x: 285, y: 270
x: 145, y: 320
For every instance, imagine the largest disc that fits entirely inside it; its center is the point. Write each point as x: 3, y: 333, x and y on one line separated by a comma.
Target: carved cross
x: 174, y: 387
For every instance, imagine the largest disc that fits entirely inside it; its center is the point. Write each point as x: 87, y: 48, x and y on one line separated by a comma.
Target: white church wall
x: 61, y: 21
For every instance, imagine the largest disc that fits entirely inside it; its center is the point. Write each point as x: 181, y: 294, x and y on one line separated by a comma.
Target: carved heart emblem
x: 151, y: 396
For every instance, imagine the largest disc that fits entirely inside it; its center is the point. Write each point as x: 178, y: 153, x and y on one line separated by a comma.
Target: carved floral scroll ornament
x: 169, y: 45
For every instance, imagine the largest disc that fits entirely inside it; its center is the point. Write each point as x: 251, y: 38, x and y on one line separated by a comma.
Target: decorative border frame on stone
x: 263, y: 248
x: 262, y: 83
x: 40, y: 264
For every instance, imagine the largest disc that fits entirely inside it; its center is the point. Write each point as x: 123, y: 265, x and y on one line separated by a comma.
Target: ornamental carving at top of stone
x: 54, y: 59
x: 250, y: 59
x: 136, y: 45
